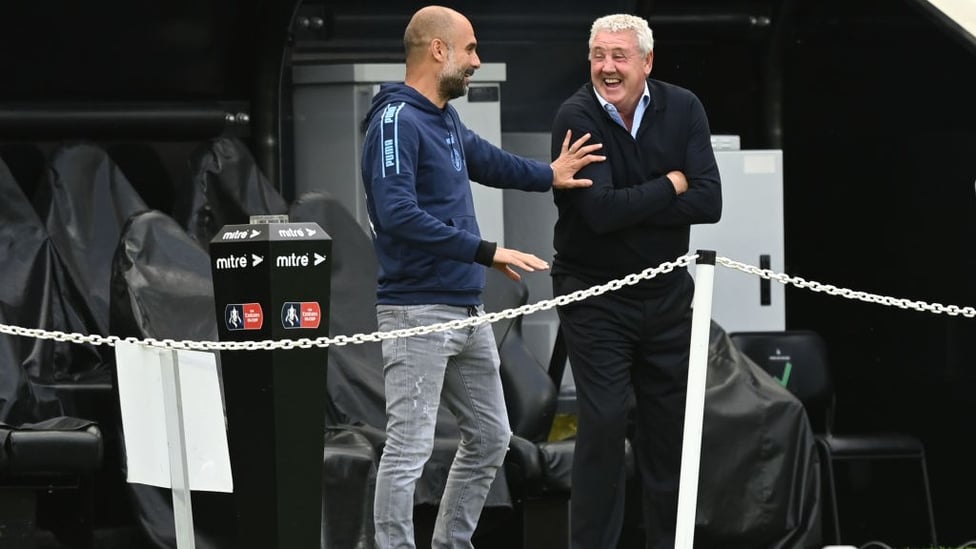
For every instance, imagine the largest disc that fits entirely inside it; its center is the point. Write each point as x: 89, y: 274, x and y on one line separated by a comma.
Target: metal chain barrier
x: 938, y: 308
x: 579, y: 295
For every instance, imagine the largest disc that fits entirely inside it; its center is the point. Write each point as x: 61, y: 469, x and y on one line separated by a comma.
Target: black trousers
x: 619, y: 348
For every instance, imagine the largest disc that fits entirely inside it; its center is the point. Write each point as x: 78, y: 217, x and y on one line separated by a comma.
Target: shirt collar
x: 611, y: 109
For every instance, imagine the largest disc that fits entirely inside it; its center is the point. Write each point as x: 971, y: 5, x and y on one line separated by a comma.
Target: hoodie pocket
x: 461, y: 275
x: 466, y: 223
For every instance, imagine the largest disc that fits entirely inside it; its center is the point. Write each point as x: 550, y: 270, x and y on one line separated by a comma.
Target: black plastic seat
x: 62, y: 446
x: 798, y: 359
x: 61, y: 453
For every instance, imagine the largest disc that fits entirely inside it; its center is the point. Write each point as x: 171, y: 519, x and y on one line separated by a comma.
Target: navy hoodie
x: 417, y: 164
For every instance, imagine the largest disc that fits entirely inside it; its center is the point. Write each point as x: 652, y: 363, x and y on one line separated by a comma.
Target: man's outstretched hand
x: 573, y: 158
x: 505, y: 259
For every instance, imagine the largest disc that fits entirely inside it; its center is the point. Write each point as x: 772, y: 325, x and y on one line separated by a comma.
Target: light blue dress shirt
x: 638, y: 112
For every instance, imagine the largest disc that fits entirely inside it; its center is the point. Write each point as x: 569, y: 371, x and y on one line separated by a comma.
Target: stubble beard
x: 452, y: 83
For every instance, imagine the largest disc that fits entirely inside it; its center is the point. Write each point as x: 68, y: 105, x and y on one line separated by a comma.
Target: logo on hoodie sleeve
x: 389, y: 138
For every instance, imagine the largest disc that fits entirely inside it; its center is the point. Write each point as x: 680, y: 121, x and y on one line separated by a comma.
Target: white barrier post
x: 695, y: 401
x: 176, y: 441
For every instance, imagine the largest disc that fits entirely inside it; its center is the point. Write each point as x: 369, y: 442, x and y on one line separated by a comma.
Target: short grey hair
x: 619, y: 22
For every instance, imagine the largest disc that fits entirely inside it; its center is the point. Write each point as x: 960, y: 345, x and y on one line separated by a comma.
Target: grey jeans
x: 460, y: 367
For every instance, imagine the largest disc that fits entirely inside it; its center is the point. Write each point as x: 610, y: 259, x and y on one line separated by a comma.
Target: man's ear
x: 438, y: 49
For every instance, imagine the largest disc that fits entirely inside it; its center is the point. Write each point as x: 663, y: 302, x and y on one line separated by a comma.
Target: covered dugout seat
x: 41, y: 450
x: 760, y: 474
x: 83, y: 200
x: 37, y: 293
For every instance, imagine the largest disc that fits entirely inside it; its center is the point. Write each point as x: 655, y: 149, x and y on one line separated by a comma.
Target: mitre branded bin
x: 272, y: 281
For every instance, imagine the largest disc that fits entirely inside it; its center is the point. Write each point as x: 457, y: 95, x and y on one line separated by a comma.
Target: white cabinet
x: 750, y: 231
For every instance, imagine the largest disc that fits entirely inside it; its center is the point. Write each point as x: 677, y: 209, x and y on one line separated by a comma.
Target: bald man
x: 417, y: 163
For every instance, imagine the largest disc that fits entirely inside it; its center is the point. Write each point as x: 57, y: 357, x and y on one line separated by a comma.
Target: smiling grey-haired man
x: 660, y: 177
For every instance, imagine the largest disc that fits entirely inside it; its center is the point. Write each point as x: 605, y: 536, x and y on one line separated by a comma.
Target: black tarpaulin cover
x: 83, y: 200
x: 226, y: 188
x: 161, y: 282
x: 35, y: 293
x: 759, y: 485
